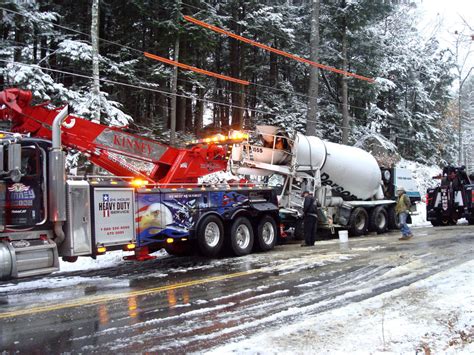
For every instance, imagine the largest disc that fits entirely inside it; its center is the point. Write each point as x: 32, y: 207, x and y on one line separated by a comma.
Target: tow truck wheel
x: 241, y: 236
x: 378, y: 220
x: 210, y: 236
x: 471, y: 220
x: 266, y: 233
x: 358, y: 222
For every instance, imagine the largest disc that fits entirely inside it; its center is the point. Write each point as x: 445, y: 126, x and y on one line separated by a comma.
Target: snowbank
x: 422, y: 174
x: 110, y: 259
x: 435, y: 314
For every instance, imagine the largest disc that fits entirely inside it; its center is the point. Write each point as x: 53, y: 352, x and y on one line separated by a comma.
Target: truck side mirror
x: 14, y: 162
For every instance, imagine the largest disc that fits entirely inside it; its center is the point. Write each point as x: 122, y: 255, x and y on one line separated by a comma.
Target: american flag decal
x: 18, y: 187
x: 105, y: 201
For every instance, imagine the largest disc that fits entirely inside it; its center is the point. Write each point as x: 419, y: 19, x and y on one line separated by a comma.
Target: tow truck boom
x: 112, y: 148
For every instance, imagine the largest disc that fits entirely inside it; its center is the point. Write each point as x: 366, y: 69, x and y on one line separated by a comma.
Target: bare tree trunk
x: 313, y: 114
x: 180, y: 114
x: 237, y: 66
x: 199, y: 115
x: 95, y: 58
x: 344, y: 94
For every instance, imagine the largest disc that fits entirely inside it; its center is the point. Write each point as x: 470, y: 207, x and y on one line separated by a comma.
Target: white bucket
x: 343, y: 236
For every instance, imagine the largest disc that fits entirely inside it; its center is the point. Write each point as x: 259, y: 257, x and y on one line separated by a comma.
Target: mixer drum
x: 352, y: 172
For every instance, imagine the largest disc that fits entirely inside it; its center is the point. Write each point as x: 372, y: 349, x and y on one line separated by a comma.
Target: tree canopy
x: 47, y: 49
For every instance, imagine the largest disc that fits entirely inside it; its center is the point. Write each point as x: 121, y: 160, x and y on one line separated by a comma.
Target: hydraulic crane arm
x: 119, y: 152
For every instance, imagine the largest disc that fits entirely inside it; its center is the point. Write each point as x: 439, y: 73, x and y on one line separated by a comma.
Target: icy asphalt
x: 192, y: 304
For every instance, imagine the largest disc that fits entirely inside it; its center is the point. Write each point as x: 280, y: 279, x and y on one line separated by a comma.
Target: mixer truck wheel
x: 436, y: 222
x: 378, y: 220
x: 299, y: 230
x: 241, y: 236
x: 444, y: 221
x: 266, y: 233
x: 393, y: 222
x: 210, y: 235
x: 358, y: 222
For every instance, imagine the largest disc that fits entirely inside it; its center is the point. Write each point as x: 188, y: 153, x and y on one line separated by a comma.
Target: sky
x: 444, y: 17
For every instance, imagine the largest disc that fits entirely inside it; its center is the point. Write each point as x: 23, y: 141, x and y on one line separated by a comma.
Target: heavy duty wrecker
x: 151, y: 201
x: 452, y: 199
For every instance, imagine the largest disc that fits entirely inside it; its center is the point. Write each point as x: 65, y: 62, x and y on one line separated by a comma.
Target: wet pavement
x: 192, y: 304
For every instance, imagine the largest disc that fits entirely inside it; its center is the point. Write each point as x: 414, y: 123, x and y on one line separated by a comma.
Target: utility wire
x: 169, y: 94
x: 159, y: 91
x: 26, y: 45
x: 141, y: 53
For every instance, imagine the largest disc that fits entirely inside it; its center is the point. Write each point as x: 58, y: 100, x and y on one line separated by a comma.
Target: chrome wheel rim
x: 242, y: 236
x: 360, y: 222
x: 381, y: 220
x: 268, y: 233
x: 212, y: 234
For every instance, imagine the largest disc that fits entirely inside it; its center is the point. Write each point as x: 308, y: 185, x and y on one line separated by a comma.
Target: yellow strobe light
x: 138, y: 183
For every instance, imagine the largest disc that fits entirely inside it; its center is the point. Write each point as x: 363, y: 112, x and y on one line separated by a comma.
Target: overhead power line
x: 274, y: 50
x: 194, y: 69
x: 232, y: 91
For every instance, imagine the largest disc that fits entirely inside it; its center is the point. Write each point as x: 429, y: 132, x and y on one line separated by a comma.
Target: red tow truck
x: 152, y: 199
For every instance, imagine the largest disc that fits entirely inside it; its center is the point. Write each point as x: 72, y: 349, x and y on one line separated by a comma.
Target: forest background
x: 412, y: 107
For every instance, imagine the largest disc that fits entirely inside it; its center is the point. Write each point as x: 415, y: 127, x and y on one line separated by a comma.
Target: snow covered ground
x: 432, y: 315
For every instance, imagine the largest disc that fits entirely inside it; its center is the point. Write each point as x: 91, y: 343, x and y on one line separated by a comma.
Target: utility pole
x: 344, y: 89
x: 174, y: 82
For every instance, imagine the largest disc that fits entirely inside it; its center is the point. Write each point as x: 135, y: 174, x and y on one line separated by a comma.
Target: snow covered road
x: 375, y: 294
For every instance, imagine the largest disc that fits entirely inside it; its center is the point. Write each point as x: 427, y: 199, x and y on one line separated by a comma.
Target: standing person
x: 402, y: 208
x: 310, y: 220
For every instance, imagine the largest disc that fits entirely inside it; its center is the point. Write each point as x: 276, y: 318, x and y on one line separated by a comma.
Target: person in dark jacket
x: 310, y: 219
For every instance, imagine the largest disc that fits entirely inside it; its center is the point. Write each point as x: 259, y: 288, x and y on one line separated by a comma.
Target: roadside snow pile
x: 110, y: 259
x: 422, y: 174
x: 432, y: 315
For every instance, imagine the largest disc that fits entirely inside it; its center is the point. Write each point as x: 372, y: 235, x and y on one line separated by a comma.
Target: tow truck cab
x: 26, y: 233
x: 24, y: 197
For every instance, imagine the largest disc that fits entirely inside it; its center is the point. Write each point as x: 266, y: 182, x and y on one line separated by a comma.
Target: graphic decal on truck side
x: 164, y: 215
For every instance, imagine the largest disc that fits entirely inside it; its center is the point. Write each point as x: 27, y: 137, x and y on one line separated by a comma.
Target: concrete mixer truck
x: 352, y: 191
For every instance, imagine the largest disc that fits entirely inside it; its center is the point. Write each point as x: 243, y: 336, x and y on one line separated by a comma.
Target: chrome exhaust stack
x: 57, y: 179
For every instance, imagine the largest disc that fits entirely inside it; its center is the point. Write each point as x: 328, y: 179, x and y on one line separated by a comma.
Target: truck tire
x: 210, y: 236
x: 393, y: 222
x: 266, y: 233
x: 444, y: 221
x: 378, y: 220
x: 241, y: 236
x: 436, y: 222
x: 358, y: 222
x: 299, y: 230
x: 470, y: 220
